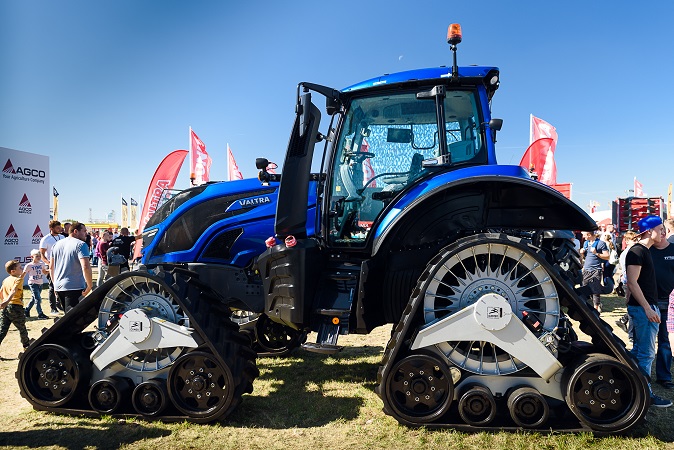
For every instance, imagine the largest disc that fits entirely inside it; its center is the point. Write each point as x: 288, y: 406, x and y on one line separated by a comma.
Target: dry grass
x: 303, y: 401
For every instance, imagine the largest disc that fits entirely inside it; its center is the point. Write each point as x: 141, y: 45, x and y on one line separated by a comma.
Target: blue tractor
x: 411, y: 222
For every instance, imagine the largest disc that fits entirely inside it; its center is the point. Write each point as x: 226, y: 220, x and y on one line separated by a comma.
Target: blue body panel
x: 421, y: 74
x: 255, y: 215
x: 428, y: 185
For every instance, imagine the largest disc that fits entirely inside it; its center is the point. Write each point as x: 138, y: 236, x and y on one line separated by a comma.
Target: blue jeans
x: 663, y: 357
x: 36, y: 290
x: 644, y: 338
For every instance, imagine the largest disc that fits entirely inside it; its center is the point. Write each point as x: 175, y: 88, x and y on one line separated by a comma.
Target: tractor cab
x: 390, y: 140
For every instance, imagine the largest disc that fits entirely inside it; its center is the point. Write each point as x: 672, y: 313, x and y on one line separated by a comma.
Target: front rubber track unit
x: 208, y: 317
x: 603, y: 339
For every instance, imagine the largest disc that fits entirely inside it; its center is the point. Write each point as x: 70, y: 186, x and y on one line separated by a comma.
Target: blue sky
x: 108, y: 88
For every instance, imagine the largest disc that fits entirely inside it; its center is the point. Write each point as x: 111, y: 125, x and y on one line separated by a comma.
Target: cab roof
x: 422, y: 74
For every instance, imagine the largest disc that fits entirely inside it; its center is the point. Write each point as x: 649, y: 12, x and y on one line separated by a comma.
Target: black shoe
x: 42, y: 316
x: 666, y: 384
x: 660, y: 402
x: 27, y: 313
x: 622, y: 325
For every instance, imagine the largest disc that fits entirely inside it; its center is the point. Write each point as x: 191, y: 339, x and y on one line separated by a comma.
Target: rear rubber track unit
x: 606, y: 356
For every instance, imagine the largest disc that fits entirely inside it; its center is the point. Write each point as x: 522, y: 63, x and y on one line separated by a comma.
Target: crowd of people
x: 64, y: 260
x: 644, y: 274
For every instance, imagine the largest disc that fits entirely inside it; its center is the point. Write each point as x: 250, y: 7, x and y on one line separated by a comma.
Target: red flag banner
x: 232, y: 168
x: 541, y: 129
x: 564, y: 188
x: 200, y: 163
x: 638, y: 188
x: 164, y: 178
x: 539, y: 158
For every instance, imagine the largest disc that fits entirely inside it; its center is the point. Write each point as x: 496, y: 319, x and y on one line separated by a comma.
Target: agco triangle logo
x: 9, y: 168
x: 37, y: 235
x: 24, y: 205
x: 23, y: 173
x: 11, y: 237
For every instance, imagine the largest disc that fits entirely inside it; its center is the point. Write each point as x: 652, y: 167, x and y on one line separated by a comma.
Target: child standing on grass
x: 35, y: 270
x: 11, y: 303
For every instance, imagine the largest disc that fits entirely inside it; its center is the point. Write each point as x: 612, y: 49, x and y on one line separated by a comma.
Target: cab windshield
x: 382, y: 145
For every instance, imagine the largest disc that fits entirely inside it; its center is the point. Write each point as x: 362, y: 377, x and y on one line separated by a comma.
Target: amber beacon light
x: 454, y: 34
x: 453, y: 38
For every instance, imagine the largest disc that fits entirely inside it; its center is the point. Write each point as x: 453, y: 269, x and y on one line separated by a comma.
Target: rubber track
x: 601, y: 333
x: 208, y: 317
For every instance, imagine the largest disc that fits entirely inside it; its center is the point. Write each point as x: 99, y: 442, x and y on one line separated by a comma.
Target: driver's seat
x: 415, y: 167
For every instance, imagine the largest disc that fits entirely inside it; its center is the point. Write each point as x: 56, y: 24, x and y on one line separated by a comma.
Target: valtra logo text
x: 11, y: 237
x: 24, y: 206
x: 37, y: 235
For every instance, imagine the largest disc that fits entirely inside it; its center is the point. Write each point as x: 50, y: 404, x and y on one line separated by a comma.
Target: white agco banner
x: 25, y: 194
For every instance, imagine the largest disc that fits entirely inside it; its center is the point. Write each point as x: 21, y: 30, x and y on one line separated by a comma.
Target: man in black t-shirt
x: 642, y: 305
x: 123, y: 243
x: 663, y: 259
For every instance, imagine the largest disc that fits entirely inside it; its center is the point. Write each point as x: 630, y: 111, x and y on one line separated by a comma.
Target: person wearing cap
x: 663, y: 260
x: 35, y: 270
x: 595, y: 252
x: 642, y: 304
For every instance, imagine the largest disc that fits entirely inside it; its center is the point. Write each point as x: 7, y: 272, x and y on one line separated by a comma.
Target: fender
x: 477, y: 198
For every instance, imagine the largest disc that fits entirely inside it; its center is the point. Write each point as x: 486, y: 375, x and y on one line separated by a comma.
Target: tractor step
x: 325, y: 349
x: 326, y: 341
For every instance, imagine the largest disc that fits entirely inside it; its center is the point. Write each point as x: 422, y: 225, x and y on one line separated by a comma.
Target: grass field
x: 303, y: 401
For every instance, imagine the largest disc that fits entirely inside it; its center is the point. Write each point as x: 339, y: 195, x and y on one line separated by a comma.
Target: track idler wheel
x: 477, y: 406
x: 107, y: 395
x: 200, y: 387
x: 605, y: 394
x: 50, y: 374
x: 150, y: 398
x: 528, y: 407
x: 420, y: 388
x: 275, y: 338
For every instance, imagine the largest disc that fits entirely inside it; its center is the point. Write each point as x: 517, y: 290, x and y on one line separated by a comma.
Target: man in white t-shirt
x: 46, y: 244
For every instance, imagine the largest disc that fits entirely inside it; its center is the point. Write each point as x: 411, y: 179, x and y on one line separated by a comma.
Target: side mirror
x: 495, y: 125
x: 332, y: 105
x: 261, y: 163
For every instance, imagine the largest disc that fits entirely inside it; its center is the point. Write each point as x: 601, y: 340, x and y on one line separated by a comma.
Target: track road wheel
x: 477, y: 406
x: 604, y: 393
x: 150, y: 397
x: 275, y: 338
x: 50, y: 374
x: 108, y: 394
x: 420, y: 388
x: 528, y: 407
x: 200, y: 387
